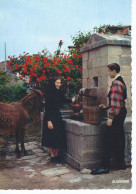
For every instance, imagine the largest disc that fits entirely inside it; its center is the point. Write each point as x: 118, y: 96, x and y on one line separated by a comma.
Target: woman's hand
x: 109, y: 122
x: 73, y: 99
x: 50, y: 125
x: 102, y: 106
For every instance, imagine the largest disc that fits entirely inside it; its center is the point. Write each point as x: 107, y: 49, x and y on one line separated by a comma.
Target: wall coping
x: 99, y: 40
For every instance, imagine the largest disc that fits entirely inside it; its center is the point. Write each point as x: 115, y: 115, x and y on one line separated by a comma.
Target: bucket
x: 91, y: 115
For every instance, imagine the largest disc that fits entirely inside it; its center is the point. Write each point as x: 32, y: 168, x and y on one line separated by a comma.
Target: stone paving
x: 35, y: 171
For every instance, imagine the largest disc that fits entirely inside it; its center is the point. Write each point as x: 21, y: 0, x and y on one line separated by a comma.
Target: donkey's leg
x: 17, y: 151
x: 22, y: 135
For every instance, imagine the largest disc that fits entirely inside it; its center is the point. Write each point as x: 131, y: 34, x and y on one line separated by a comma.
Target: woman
x: 53, y: 135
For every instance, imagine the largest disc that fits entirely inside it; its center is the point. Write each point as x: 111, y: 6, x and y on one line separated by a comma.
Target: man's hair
x: 114, y: 66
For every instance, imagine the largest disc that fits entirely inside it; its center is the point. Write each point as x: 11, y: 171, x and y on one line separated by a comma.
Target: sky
x: 33, y: 25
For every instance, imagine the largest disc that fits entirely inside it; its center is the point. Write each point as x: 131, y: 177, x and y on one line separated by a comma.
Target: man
x: 114, y: 137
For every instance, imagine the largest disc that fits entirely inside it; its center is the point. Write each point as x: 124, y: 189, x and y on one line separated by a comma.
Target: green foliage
x: 80, y: 38
x: 10, y: 92
x: 4, y: 78
x: 104, y: 29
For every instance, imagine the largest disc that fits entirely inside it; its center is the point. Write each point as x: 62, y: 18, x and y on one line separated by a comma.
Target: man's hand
x: 50, y: 125
x: 109, y: 122
x: 102, y: 106
x: 73, y: 99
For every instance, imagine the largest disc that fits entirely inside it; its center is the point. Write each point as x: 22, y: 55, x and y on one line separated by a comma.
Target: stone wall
x: 84, y: 143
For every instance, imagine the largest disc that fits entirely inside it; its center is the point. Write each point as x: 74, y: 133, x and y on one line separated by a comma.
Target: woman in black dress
x: 53, y: 134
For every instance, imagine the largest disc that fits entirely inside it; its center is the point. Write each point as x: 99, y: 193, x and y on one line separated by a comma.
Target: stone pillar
x: 99, y: 51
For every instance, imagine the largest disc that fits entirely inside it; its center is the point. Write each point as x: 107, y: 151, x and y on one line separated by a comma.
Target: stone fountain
x: 84, y: 141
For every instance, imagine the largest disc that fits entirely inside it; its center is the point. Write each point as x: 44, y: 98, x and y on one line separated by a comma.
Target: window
x: 95, y: 81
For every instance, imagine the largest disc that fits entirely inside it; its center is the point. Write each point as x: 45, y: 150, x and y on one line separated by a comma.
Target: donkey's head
x: 38, y: 97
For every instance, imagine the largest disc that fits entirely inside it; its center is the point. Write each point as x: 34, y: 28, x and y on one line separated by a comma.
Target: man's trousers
x: 114, y: 140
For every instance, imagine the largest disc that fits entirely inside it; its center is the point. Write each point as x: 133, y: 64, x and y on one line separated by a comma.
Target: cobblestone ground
x: 35, y: 171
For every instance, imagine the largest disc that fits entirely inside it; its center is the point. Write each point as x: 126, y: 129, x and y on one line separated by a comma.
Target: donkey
x: 14, y: 117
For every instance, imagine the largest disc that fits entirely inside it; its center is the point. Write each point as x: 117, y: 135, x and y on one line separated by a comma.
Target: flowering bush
x: 40, y: 68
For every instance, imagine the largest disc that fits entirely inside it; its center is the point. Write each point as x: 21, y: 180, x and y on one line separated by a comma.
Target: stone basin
x: 84, y: 143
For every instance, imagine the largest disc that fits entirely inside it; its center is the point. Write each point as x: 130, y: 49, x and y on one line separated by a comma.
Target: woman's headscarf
x: 51, y: 86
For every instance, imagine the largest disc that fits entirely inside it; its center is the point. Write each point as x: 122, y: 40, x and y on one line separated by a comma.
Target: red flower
x: 11, y: 69
x: 9, y: 63
x: 25, y: 64
x: 58, y: 60
x: 74, y: 55
x: 36, y: 64
x: 30, y: 61
x: 44, y: 78
x: 37, y: 58
x: 80, y: 69
x: 76, y: 66
x: 25, y: 70
x: 22, y: 75
x: 68, y: 77
x: 60, y: 42
x: 28, y: 58
x: 16, y: 67
x: 48, y: 64
x: 58, y: 70
x: 62, y: 53
x: 79, y: 56
x: 13, y: 58
x: 44, y: 66
x: 45, y: 59
x: 38, y: 79
x: 9, y: 57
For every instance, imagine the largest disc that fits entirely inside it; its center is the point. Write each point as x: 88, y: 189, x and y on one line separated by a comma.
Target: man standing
x: 114, y: 136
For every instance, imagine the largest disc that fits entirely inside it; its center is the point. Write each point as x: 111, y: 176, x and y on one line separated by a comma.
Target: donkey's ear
x: 38, y: 92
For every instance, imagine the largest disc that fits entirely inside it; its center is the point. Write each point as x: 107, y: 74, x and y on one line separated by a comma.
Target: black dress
x: 55, y: 137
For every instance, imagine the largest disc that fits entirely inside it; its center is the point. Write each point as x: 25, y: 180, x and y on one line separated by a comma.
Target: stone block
x: 129, y: 111
x: 92, y: 54
x: 98, y: 52
x: 90, y: 64
x: 127, y: 80
x: 104, y: 80
x: 126, y: 71
x: 125, y: 50
x: 103, y: 51
x: 85, y: 56
x: 84, y: 83
x: 91, y: 73
x: 129, y: 102
x: 114, y: 50
x: 90, y: 83
x: 85, y: 65
x: 125, y: 60
x: 113, y: 59
x: 98, y: 62
x: 85, y: 74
